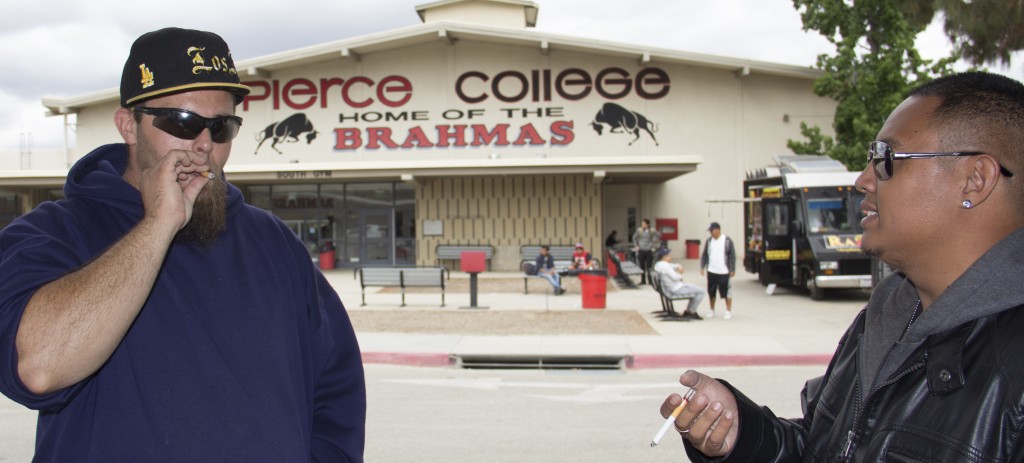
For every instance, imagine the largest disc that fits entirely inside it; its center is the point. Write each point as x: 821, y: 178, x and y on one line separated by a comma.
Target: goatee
x: 208, y: 215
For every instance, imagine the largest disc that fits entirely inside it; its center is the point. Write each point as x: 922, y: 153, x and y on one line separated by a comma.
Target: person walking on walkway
x: 931, y: 369
x: 719, y: 259
x: 646, y: 240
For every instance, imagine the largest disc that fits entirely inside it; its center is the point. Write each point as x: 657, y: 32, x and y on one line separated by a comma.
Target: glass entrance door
x: 307, y: 231
x: 375, y: 226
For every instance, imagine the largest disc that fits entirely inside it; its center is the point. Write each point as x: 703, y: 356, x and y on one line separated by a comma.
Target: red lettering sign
x: 476, y: 135
x: 298, y: 94
x: 472, y: 87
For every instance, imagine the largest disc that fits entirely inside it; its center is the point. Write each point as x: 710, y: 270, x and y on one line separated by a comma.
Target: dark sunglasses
x: 187, y: 125
x: 881, y: 155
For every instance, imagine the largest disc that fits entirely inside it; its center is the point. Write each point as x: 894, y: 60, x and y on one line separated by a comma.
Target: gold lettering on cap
x: 199, y: 64
x: 147, y: 76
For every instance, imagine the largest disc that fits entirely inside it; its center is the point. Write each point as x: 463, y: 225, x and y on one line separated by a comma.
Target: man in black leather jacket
x: 932, y: 370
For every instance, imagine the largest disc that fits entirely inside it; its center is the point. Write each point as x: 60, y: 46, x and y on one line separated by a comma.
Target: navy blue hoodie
x: 242, y: 352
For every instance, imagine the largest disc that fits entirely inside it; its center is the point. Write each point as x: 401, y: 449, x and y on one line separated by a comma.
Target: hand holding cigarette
x: 710, y: 415
x: 672, y: 418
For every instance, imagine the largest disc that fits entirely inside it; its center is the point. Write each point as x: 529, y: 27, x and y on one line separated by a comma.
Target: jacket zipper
x: 859, y: 406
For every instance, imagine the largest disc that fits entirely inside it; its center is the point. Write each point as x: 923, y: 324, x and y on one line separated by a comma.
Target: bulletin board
x: 669, y: 228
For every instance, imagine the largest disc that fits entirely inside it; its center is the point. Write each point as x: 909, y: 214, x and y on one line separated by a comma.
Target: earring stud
x: 968, y: 204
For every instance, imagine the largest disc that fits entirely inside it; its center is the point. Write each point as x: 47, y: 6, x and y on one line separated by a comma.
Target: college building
x: 472, y: 128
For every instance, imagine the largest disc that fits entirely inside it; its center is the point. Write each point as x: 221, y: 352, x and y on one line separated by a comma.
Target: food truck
x: 802, y: 225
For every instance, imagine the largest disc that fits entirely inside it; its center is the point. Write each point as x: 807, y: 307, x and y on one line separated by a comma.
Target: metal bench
x: 666, y: 299
x: 454, y: 251
x: 562, y: 256
x: 402, y: 277
x: 624, y: 269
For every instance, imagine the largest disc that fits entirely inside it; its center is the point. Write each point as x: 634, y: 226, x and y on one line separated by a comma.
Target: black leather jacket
x: 958, y: 398
x: 948, y: 388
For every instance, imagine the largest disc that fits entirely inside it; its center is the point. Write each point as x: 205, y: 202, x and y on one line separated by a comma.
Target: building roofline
x: 639, y: 169
x: 530, y: 9
x: 452, y: 32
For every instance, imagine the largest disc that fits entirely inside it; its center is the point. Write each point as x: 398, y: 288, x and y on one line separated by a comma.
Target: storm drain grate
x: 543, y: 362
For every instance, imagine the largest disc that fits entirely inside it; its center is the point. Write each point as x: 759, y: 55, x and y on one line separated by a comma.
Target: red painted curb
x: 397, y: 358
x: 723, y: 360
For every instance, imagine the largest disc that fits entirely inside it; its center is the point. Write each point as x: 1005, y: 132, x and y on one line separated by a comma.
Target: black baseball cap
x: 664, y: 252
x: 174, y: 60
x: 714, y: 226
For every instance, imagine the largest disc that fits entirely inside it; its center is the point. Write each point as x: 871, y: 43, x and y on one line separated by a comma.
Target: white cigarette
x: 671, y: 418
x: 208, y: 174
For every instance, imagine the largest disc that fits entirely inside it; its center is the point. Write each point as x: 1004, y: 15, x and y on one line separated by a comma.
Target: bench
x: 402, y: 277
x: 562, y: 256
x: 667, y: 300
x: 527, y: 277
x: 454, y: 252
x: 624, y: 269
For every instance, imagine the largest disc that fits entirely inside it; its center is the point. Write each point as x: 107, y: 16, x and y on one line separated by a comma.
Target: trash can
x: 693, y: 249
x: 327, y: 256
x: 594, y: 286
x: 613, y: 270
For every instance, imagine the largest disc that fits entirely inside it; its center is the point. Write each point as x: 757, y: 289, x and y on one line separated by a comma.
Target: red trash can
x: 594, y: 286
x: 693, y: 249
x: 613, y: 270
x: 327, y: 256
x: 327, y: 260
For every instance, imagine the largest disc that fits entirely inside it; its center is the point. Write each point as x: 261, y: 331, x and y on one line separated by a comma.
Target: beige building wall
x: 725, y: 116
x: 508, y: 212
x: 753, y: 118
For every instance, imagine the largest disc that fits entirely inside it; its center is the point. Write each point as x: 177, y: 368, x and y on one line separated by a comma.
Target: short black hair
x: 980, y: 107
x: 981, y: 111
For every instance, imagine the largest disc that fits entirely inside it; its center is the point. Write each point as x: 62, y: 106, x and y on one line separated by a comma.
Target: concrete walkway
x: 786, y: 328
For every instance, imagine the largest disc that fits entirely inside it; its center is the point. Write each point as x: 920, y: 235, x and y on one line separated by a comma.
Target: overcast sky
x: 63, y: 48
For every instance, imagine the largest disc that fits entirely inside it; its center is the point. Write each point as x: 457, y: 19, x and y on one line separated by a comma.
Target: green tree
x: 984, y: 31
x: 874, y: 66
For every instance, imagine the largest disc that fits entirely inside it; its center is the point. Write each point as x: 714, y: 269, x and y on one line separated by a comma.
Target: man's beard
x: 208, y: 215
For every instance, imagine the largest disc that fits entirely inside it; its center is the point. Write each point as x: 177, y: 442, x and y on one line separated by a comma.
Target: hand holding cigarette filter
x: 672, y: 418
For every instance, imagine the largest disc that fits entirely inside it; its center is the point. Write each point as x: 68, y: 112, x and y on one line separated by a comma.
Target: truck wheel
x: 817, y: 293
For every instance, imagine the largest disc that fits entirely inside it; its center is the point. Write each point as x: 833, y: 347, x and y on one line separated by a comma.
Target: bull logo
x: 622, y: 120
x: 287, y: 131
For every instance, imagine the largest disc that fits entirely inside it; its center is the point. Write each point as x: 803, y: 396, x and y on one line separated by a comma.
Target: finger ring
x: 681, y: 431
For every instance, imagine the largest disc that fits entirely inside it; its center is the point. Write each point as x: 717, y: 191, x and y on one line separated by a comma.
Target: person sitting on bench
x: 673, y: 286
x: 545, y: 266
x: 581, y: 259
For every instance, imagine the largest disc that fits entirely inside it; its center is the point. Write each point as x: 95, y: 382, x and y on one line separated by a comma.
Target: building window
x: 367, y: 223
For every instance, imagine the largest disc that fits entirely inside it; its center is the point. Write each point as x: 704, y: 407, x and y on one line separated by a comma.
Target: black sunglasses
x: 882, y: 155
x: 187, y: 125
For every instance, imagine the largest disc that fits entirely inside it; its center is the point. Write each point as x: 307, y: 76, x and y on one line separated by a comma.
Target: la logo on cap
x: 147, y: 76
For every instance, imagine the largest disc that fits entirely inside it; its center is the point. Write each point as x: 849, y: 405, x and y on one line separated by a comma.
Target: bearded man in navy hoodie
x: 137, y: 314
